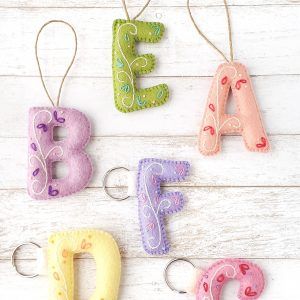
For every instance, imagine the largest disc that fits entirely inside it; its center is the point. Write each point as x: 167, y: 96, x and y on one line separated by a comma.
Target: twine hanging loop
x: 208, y: 40
x: 140, y: 12
x: 69, y: 66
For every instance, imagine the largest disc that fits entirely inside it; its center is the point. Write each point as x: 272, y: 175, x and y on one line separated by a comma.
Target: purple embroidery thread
x: 43, y: 126
x: 153, y: 204
x: 36, y: 171
x: 44, y: 151
x: 58, y: 119
x: 33, y: 146
x: 52, y: 192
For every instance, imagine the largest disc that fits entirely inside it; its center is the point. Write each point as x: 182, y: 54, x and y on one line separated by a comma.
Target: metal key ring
x: 105, y: 182
x: 166, y: 274
x: 13, y: 259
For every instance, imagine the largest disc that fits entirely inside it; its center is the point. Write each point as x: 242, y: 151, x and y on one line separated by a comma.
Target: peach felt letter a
x: 246, y: 121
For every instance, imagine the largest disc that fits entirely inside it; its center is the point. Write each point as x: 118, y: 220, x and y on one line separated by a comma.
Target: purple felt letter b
x: 153, y: 204
x: 44, y: 151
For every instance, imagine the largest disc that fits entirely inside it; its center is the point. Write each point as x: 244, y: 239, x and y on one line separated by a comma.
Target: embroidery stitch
x: 153, y: 205
x: 211, y: 282
x: 217, y: 123
x: 101, y: 245
x: 247, y: 120
x: 43, y: 151
x: 41, y: 159
x: 126, y: 64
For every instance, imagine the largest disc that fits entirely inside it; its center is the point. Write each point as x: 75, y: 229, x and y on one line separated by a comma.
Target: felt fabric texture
x: 247, y: 120
x: 44, y: 151
x: 126, y: 64
x: 104, y: 249
x: 154, y: 205
x: 211, y: 282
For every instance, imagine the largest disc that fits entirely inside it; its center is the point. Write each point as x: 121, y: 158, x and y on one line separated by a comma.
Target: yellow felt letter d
x: 104, y: 249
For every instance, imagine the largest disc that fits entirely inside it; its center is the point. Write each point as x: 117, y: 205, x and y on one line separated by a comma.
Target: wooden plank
x: 281, y: 279
x: 216, y: 222
x: 182, y: 115
x: 235, y: 166
x: 276, y: 49
x: 135, y: 3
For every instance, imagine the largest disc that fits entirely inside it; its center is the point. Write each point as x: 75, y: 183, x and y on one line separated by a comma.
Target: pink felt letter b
x: 44, y: 151
x: 246, y: 121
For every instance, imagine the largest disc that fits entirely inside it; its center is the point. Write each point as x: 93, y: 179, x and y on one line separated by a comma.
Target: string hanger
x: 208, y: 40
x: 69, y: 67
x: 141, y: 11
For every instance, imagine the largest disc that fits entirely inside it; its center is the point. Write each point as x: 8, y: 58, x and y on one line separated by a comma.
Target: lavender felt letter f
x: 153, y: 204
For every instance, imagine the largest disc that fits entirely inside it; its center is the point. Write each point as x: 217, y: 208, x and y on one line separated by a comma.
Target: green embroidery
x: 119, y: 63
x: 139, y: 101
x: 125, y: 88
x: 127, y: 64
x: 126, y: 37
x: 160, y: 94
x: 156, y: 28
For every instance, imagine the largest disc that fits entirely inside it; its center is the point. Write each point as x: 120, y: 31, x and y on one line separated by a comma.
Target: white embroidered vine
x: 166, y: 203
x: 61, y: 274
x: 41, y: 159
x: 216, y: 121
x: 229, y: 275
x: 129, y: 75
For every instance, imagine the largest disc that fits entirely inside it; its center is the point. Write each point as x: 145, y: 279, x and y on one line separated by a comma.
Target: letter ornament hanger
x: 44, y: 151
x: 57, y: 260
x: 127, y: 63
x: 208, y: 284
x: 247, y: 120
x: 153, y: 204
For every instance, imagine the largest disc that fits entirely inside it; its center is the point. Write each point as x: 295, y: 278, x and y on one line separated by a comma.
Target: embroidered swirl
x: 130, y: 75
x: 229, y: 275
x: 148, y: 209
x: 41, y: 157
x: 59, y: 274
x: 216, y: 121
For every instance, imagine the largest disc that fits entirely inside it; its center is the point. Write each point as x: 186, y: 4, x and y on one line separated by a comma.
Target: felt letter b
x: 44, y: 151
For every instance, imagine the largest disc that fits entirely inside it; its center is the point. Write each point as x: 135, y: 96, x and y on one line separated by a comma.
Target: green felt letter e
x: 127, y: 64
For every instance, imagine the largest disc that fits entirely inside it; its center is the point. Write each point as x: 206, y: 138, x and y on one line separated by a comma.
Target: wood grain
x: 266, y: 47
x: 182, y: 115
x: 137, y: 282
x: 221, y: 222
x: 235, y: 166
x: 237, y: 203
x: 131, y: 3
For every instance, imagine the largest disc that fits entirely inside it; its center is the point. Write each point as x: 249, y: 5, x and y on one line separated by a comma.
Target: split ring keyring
x: 105, y: 182
x: 13, y: 259
x: 166, y: 274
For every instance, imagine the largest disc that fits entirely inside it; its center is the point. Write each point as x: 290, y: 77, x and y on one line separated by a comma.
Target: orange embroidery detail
x: 56, y: 276
x: 85, y: 245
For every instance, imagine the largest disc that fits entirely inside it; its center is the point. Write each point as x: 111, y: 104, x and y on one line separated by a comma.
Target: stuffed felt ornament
x: 44, y: 151
x: 208, y: 284
x: 58, y: 258
x: 153, y: 204
x: 126, y: 63
x: 247, y: 120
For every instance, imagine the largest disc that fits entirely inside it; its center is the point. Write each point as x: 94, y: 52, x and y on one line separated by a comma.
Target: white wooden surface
x: 239, y: 204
